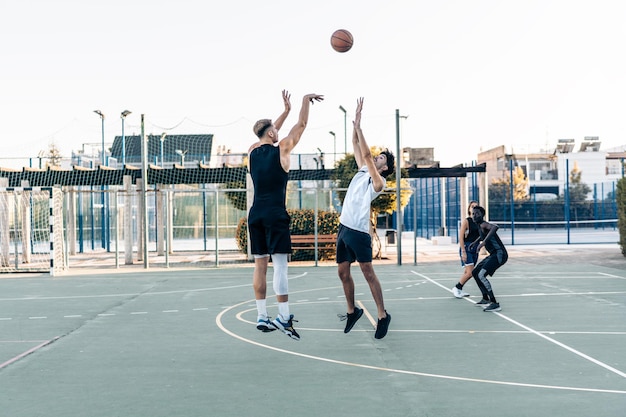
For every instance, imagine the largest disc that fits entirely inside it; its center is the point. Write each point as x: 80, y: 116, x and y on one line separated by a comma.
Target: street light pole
x: 124, y: 114
x: 345, y: 130
x: 99, y: 113
x: 399, y: 222
x: 162, y: 140
x: 182, y: 156
x: 103, y: 222
x: 334, y: 146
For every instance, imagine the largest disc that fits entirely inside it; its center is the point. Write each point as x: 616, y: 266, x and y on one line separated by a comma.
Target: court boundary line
x: 28, y: 352
x: 218, y: 322
x: 535, y: 332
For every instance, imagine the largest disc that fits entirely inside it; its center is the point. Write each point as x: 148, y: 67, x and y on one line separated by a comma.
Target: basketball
x: 341, y: 41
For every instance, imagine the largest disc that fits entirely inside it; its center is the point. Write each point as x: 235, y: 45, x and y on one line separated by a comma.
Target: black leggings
x: 490, y: 264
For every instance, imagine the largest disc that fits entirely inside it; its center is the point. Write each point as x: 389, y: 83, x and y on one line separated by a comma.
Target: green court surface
x: 183, y: 342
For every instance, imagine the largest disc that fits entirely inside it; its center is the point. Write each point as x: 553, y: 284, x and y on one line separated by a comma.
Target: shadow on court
x: 184, y: 343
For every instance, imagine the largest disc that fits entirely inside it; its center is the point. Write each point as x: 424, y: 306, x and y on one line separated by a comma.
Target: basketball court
x: 183, y: 342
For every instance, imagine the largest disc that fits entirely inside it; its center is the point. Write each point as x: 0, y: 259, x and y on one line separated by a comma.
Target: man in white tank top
x: 354, y: 242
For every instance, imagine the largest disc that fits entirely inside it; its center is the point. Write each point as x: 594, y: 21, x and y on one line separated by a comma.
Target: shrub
x: 302, y: 223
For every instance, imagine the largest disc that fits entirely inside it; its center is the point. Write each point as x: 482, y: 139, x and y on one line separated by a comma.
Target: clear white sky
x: 469, y: 74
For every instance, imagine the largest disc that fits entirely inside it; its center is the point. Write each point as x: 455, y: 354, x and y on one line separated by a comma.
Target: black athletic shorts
x: 353, y: 245
x: 269, y: 232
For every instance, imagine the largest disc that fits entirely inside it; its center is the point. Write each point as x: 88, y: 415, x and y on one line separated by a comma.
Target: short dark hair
x: 391, y: 163
x: 261, y: 126
x: 481, y: 209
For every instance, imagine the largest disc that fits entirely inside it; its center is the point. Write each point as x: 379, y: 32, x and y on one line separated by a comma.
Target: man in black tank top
x: 498, y: 256
x: 268, y: 221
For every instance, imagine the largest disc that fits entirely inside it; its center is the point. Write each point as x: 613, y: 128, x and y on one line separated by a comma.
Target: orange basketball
x: 341, y: 41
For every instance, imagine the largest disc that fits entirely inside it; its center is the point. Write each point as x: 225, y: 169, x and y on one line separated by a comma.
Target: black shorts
x: 269, y: 232
x: 353, y: 245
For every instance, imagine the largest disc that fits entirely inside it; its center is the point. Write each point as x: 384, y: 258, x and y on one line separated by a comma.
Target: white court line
x: 610, y: 275
x: 367, y: 314
x: 549, y: 339
x: 218, y: 321
x: 72, y: 297
x: 28, y: 352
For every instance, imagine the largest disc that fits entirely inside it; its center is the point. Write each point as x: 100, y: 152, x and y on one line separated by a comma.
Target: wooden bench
x: 307, y: 242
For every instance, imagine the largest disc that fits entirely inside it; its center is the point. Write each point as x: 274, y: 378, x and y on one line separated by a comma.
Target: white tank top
x: 355, y: 212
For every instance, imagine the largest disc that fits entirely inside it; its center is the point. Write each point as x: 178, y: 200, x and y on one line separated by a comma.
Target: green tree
x: 53, y: 155
x: 578, y: 190
x: 500, y: 188
x: 239, y: 199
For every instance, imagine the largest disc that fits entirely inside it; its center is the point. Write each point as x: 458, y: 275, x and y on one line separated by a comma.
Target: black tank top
x: 493, y: 244
x: 269, y: 178
x: 472, y: 231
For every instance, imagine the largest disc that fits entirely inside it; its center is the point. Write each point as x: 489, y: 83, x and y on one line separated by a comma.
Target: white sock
x: 283, y: 310
x: 261, y: 308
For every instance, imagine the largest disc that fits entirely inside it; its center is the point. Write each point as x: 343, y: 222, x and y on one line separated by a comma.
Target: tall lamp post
x: 399, y: 222
x: 334, y: 146
x: 163, y: 135
x: 124, y: 114
x: 345, y: 129
x: 102, y: 162
x: 182, y: 156
x: 99, y: 113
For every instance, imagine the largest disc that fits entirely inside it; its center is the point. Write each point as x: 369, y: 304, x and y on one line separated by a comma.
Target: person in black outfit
x: 268, y: 220
x: 498, y: 256
x: 467, y: 235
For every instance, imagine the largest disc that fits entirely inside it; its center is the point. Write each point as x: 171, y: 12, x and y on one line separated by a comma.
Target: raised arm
x: 356, y: 126
x: 365, y: 152
x: 281, y: 119
x: 291, y: 140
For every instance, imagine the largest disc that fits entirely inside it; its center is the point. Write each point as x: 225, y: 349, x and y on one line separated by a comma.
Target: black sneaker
x: 492, y: 307
x: 382, y: 327
x: 352, y: 319
x: 482, y: 303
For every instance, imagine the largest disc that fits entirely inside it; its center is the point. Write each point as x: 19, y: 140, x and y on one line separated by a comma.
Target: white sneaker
x: 459, y: 293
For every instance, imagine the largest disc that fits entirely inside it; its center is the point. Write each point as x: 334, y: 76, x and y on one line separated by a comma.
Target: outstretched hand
x: 359, y: 108
x: 286, y: 97
x: 314, y: 97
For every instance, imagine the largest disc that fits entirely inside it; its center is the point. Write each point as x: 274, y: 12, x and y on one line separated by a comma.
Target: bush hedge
x: 302, y: 223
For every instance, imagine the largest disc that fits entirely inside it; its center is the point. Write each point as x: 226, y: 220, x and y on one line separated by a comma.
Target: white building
x: 547, y: 171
